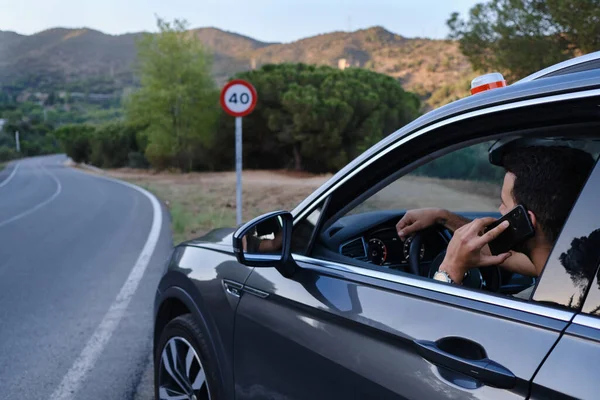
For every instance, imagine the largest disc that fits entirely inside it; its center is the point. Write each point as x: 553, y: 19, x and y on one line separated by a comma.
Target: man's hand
x: 417, y: 220
x: 465, y: 250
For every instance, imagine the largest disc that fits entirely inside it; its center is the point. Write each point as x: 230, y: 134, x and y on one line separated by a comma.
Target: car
x: 342, y: 308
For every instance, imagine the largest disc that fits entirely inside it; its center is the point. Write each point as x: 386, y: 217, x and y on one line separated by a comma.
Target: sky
x: 266, y: 20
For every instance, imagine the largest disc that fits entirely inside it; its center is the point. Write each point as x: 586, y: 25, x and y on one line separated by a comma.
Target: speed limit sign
x: 238, y: 99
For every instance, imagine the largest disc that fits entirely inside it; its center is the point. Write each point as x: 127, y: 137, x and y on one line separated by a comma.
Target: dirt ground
x: 200, y: 202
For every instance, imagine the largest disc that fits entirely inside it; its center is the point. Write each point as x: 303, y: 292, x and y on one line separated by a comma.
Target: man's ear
x: 533, y: 219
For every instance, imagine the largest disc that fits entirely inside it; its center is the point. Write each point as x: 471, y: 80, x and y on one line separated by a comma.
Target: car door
x: 570, y: 371
x: 336, y: 330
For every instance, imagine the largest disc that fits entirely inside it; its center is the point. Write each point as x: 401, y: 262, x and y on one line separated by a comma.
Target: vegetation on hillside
x: 35, y: 133
x: 60, y: 59
x: 55, y: 58
x: 36, y: 119
x: 520, y: 37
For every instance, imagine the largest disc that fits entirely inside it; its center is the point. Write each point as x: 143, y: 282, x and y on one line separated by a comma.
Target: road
x: 80, y: 260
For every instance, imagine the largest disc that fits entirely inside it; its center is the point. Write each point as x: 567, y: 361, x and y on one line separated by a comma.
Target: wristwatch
x: 442, y: 276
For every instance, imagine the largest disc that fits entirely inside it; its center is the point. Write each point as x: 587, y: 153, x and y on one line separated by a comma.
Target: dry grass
x: 200, y: 202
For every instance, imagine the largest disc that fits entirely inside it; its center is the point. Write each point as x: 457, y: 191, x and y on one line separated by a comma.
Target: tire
x: 182, y: 334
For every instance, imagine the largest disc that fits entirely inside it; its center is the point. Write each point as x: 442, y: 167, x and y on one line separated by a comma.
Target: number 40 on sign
x: 238, y: 99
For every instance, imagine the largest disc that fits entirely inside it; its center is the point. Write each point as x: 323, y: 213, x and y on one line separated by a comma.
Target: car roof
x: 578, y: 64
x: 542, y: 86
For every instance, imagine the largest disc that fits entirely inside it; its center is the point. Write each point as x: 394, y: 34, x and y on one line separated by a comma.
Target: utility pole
x: 17, y: 141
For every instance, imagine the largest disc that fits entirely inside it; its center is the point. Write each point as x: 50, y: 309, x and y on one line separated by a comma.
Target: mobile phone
x: 519, y: 230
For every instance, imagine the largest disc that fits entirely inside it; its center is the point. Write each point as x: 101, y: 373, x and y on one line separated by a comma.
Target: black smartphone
x: 519, y: 230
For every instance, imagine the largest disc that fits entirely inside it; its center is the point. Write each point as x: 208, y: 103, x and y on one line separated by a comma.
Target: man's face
x: 507, y: 201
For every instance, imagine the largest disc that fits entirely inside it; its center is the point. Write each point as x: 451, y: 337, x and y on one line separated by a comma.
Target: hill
x: 74, y: 58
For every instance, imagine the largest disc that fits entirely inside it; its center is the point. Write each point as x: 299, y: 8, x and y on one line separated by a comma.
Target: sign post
x: 238, y: 99
x: 238, y: 170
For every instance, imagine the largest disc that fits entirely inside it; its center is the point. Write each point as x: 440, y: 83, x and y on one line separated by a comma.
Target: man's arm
x: 519, y: 263
x: 450, y: 220
x: 422, y: 218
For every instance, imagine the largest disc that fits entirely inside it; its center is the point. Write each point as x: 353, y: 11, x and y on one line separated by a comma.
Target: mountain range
x: 60, y: 56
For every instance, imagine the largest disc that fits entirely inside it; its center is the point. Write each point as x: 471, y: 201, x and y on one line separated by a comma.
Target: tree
x: 316, y: 118
x: 177, y: 100
x: 76, y: 140
x: 519, y: 37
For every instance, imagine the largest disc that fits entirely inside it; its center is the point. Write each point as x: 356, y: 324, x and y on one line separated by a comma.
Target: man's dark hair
x: 548, y: 181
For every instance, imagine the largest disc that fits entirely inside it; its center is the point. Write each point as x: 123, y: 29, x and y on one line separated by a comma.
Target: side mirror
x: 265, y: 241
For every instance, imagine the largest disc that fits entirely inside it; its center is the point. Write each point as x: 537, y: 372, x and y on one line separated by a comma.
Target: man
x: 253, y: 244
x: 546, y: 180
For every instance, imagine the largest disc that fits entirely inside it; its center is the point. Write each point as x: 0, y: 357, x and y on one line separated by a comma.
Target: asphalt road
x: 80, y: 260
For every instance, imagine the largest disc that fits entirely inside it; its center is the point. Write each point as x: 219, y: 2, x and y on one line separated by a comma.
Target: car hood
x: 218, y: 236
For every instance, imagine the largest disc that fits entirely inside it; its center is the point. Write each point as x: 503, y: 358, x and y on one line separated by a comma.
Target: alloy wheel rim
x: 181, y: 375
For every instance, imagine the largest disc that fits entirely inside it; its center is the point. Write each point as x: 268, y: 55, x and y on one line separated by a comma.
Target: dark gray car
x: 341, y: 308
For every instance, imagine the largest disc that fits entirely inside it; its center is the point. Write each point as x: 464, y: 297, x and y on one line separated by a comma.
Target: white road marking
x: 14, y: 171
x: 93, y: 349
x: 37, y: 206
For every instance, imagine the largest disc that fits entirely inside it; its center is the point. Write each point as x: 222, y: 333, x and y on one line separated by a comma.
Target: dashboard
x: 380, y: 245
x: 371, y: 237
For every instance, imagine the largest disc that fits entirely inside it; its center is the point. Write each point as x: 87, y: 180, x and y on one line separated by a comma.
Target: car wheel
x: 183, y: 369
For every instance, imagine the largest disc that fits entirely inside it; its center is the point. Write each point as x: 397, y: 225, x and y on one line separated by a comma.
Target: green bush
x: 112, y: 143
x: 7, y: 154
x: 137, y: 160
x: 76, y: 141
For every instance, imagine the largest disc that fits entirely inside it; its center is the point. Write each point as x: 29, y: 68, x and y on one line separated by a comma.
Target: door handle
x: 485, y: 370
x: 233, y: 288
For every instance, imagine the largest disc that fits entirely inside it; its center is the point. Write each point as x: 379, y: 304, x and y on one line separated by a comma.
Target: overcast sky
x: 267, y: 20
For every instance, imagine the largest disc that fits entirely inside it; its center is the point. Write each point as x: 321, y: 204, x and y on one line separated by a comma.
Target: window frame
x: 334, y: 185
x: 316, y: 228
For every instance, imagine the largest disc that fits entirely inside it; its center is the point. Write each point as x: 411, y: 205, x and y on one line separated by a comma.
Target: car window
x: 304, y: 229
x: 465, y: 183
x: 462, y: 180
x: 573, y: 264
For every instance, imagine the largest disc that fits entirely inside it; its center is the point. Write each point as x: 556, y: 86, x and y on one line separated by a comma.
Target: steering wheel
x: 488, y: 278
x: 414, y: 253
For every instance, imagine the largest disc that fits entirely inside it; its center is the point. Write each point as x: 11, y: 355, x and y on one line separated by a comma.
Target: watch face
x: 441, y: 276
